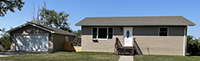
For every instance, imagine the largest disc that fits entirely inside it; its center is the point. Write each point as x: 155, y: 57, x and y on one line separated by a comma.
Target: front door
x: 128, y: 40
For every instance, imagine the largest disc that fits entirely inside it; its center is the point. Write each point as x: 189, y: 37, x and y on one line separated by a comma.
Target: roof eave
x: 136, y: 25
x: 29, y: 24
x: 17, y: 28
x: 42, y: 28
x: 65, y: 34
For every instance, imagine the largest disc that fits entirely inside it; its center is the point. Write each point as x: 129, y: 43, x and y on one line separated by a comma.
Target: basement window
x: 163, y: 31
x: 102, y: 33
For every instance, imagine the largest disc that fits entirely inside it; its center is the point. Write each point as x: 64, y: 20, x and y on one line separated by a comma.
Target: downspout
x: 185, y: 40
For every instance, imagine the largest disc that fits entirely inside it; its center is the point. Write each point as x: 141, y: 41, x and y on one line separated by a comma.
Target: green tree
x: 66, y: 28
x: 77, y: 33
x: 4, y: 40
x: 51, y: 18
x: 193, y: 45
x: 6, y: 5
x: 54, y: 19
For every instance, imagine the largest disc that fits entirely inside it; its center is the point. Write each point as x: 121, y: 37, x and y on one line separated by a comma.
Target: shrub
x: 4, y: 40
x: 193, y: 45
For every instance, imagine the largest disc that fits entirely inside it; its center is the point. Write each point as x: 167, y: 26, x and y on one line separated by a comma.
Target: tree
x: 36, y: 20
x: 4, y: 40
x: 77, y: 33
x: 66, y: 28
x: 193, y: 45
x: 6, y: 5
x: 54, y: 19
x: 51, y: 18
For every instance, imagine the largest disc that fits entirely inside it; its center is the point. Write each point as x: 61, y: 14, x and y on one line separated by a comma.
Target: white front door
x: 128, y: 40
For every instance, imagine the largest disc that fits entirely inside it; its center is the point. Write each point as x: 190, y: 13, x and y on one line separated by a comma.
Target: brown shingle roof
x: 132, y: 21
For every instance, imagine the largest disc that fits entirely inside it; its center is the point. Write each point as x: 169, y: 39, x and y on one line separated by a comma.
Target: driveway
x: 11, y: 53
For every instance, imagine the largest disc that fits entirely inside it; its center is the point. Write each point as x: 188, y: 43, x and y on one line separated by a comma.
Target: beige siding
x: 146, y: 37
x: 87, y: 43
x: 172, y: 45
x: 58, y: 42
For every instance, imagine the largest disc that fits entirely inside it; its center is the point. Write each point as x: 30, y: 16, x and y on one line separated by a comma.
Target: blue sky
x: 79, y: 9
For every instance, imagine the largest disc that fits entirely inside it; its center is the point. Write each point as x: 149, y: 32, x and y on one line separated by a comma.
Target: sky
x: 79, y: 9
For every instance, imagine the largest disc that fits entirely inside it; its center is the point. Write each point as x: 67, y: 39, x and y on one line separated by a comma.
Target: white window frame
x: 97, y: 37
x: 159, y: 31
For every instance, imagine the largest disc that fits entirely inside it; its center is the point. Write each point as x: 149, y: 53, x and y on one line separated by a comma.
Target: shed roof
x: 134, y: 21
x: 47, y: 28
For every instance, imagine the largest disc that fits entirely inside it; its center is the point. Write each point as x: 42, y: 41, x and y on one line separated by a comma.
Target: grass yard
x: 165, y: 58
x: 64, y: 56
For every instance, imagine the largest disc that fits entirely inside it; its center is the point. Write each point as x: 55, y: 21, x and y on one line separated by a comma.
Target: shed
x: 35, y: 37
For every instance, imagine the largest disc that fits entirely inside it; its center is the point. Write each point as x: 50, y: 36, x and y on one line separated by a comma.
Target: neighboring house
x: 34, y: 37
x: 157, y: 35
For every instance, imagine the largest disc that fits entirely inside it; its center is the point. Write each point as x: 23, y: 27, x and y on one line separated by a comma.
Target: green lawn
x: 165, y: 58
x: 64, y: 56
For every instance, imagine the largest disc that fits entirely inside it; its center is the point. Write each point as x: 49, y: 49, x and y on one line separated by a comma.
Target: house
x: 157, y: 35
x: 34, y: 37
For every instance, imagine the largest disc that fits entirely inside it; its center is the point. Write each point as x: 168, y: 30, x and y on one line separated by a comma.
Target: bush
x: 4, y: 40
x: 193, y: 45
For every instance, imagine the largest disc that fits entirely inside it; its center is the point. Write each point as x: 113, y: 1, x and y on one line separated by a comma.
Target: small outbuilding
x: 35, y: 37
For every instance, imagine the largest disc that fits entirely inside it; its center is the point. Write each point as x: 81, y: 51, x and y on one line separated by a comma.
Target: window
x: 163, y: 32
x: 66, y: 38
x: 110, y: 33
x: 127, y: 34
x: 102, y: 33
x: 94, y: 32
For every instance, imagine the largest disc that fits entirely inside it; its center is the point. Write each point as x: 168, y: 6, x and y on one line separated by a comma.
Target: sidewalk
x: 126, y: 58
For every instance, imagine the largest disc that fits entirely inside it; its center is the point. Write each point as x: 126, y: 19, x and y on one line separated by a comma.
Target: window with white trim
x: 163, y: 31
x: 102, y: 33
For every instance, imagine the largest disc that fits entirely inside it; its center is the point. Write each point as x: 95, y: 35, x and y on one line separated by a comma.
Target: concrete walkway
x: 126, y: 58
